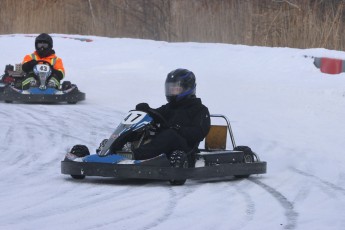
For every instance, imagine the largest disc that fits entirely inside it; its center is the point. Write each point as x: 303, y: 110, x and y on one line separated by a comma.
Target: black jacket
x: 191, y: 116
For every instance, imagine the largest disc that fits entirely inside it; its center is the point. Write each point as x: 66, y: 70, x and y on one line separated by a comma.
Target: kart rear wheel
x: 66, y: 85
x: 247, y: 158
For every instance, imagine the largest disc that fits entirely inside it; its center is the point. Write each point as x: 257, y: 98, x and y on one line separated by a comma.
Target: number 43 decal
x: 43, y: 68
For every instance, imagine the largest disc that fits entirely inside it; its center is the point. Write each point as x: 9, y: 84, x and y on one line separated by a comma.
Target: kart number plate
x: 43, y: 68
x: 133, y: 117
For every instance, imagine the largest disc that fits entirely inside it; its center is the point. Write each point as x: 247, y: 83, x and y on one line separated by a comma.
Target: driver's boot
x: 53, y: 83
x: 178, y: 159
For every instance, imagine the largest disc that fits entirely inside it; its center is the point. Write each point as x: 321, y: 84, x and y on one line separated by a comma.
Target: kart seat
x: 216, y: 138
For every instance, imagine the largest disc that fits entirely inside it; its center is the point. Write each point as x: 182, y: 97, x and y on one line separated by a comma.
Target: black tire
x: 248, y: 157
x: 185, y: 164
x: 8, y: 101
x: 78, y: 177
x: 66, y: 85
x: 80, y: 150
x: 179, y: 182
x: 72, y: 102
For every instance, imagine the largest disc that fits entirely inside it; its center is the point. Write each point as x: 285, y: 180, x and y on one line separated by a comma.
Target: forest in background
x: 275, y: 23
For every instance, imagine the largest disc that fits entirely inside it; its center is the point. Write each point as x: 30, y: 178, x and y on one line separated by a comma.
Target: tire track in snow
x: 94, y: 197
x: 8, y: 129
x: 250, y: 208
x: 161, y: 218
x: 8, y: 139
x: 332, y: 190
x: 62, y: 127
x: 290, y: 214
x: 303, y: 192
x: 17, y: 139
x: 34, y: 211
x: 250, y: 204
x: 169, y: 209
x: 323, y: 182
x: 174, y: 198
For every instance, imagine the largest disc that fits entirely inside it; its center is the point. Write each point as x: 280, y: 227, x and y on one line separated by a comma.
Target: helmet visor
x: 43, y: 45
x: 173, y: 89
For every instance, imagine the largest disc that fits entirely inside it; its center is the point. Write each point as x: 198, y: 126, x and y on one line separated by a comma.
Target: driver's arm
x: 163, y: 111
x: 28, y: 63
x: 199, y: 127
x: 58, y: 69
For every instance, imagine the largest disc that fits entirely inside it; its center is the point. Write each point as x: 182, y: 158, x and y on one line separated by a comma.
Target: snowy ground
x: 278, y: 102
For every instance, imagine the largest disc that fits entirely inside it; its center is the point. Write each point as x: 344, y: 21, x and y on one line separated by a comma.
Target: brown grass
x: 290, y: 23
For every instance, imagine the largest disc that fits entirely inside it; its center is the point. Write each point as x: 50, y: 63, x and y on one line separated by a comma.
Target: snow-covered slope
x: 278, y: 102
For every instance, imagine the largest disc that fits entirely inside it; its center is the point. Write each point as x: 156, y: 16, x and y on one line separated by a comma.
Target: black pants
x: 166, y: 142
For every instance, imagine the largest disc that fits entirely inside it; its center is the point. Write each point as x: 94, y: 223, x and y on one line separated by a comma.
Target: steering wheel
x: 157, y: 117
x: 44, y: 62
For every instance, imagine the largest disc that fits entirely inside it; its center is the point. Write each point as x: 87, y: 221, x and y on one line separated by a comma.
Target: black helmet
x: 180, y: 84
x: 44, y: 50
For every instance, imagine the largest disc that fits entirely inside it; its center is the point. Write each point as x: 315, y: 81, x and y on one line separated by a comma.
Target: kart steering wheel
x: 44, y: 62
x: 157, y: 117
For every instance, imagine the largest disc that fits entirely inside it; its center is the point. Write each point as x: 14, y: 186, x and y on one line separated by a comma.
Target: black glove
x: 175, y: 127
x: 142, y: 107
x: 28, y: 66
x: 58, y: 74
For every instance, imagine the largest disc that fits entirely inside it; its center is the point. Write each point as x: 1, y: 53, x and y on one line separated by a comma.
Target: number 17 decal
x: 132, y: 117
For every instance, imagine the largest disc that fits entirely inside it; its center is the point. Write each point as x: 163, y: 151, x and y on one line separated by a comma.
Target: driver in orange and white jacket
x: 44, y: 53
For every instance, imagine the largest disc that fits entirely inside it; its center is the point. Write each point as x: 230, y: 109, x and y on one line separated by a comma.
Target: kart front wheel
x: 178, y: 159
x: 78, y: 177
x: 177, y: 182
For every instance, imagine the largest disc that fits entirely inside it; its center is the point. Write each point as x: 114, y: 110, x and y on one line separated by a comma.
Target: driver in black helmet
x: 188, y: 120
x: 44, y: 53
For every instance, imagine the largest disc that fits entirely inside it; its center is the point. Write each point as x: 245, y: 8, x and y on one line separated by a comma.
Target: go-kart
x: 139, y: 127
x: 39, y: 91
x: 7, y: 79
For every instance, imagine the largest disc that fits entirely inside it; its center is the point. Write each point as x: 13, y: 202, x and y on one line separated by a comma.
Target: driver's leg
x: 165, y: 142
x: 54, y: 81
x: 27, y: 82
